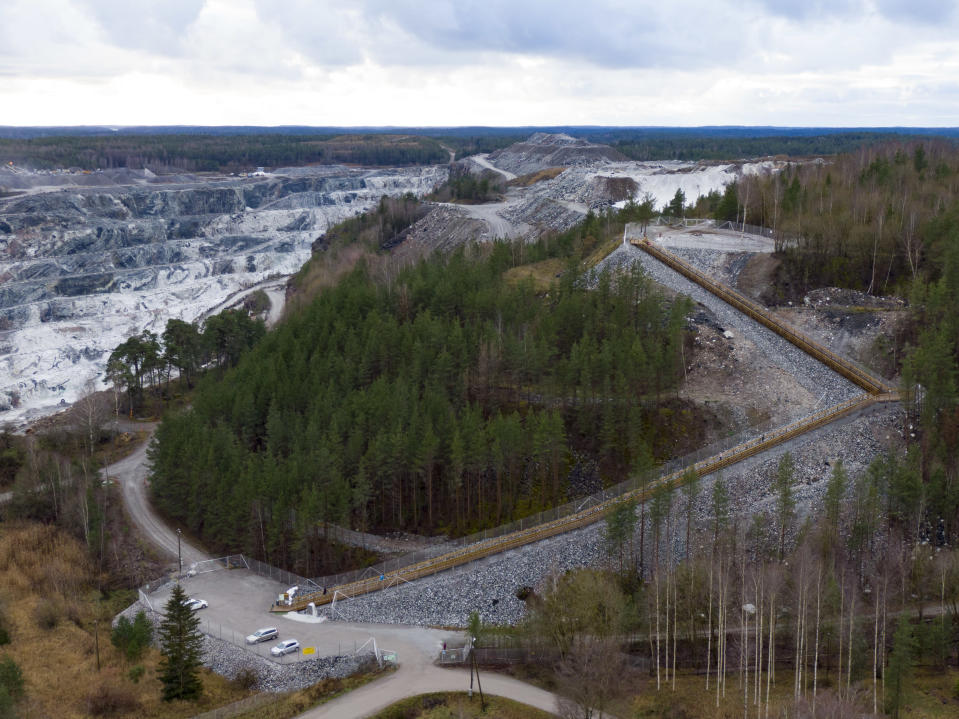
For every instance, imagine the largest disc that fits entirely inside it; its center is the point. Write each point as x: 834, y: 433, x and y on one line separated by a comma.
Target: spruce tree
x: 783, y: 486
x: 181, y: 647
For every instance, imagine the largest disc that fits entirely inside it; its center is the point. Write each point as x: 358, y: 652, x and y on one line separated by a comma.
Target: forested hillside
x: 873, y: 220
x: 448, y: 400
x: 885, y: 220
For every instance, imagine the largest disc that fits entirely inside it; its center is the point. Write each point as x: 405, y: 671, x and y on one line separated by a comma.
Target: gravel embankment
x: 811, y: 374
x: 447, y: 599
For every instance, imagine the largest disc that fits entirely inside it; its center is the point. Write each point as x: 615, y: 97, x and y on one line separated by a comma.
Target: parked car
x: 287, y: 646
x: 195, y: 604
x: 263, y: 635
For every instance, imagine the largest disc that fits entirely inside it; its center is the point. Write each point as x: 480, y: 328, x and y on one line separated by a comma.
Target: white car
x: 195, y: 604
x: 263, y: 635
x: 287, y: 646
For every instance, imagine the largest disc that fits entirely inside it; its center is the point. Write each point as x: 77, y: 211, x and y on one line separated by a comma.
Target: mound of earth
x: 543, y: 150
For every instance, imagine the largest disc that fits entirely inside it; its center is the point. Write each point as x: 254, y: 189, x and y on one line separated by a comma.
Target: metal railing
x: 280, y: 575
x: 841, y: 365
x: 584, y: 512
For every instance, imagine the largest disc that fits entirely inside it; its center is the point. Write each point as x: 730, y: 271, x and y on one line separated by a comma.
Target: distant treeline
x: 197, y: 148
x: 208, y: 153
x: 732, y: 148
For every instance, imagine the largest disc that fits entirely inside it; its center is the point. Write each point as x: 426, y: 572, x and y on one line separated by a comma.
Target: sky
x: 837, y: 63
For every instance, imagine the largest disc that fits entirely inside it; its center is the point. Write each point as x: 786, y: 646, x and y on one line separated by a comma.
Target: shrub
x: 47, y: 614
x: 246, y: 678
x: 4, y: 636
x: 8, y: 709
x: 132, y: 638
x: 72, y: 612
x: 11, y: 678
x: 136, y: 673
x: 523, y: 593
x: 109, y: 700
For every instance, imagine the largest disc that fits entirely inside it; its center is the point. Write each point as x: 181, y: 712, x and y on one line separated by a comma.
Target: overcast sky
x: 479, y: 62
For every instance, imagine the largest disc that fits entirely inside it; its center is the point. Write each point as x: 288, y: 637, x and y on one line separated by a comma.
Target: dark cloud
x: 607, y: 33
x: 154, y: 25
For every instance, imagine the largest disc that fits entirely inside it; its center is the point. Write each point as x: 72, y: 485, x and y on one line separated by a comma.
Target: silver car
x: 287, y: 646
x: 263, y: 635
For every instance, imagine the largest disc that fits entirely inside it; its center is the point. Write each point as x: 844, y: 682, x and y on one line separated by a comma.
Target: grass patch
x: 543, y: 274
x: 604, y: 250
x: 933, y: 695
x: 458, y: 704
x: 533, y: 177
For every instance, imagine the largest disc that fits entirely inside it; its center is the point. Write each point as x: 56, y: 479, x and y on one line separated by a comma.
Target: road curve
x: 131, y: 474
x: 378, y: 695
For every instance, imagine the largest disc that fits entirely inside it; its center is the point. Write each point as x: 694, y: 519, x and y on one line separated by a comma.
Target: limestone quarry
x: 89, y: 259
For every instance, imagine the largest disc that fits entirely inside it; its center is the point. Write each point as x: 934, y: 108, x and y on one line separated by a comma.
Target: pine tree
x: 181, y: 647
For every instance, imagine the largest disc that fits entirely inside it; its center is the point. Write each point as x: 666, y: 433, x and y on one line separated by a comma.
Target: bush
x: 246, y: 678
x: 11, y: 678
x: 110, y: 700
x: 8, y: 709
x: 4, y: 636
x: 47, y: 614
x: 136, y: 673
x: 132, y: 638
x: 524, y: 593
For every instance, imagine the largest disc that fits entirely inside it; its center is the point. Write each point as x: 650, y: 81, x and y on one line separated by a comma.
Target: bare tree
x: 591, y: 677
x: 93, y: 410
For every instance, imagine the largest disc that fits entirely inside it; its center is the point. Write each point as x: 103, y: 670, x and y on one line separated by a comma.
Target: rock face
x: 84, y: 266
x: 543, y: 150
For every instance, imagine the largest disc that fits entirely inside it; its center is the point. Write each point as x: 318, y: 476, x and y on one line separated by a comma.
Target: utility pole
x: 475, y: 667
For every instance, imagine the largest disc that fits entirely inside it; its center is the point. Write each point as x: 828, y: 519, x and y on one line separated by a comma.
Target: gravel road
x: 131, y: 473
x: 483, y: 161
x: 374, y: 697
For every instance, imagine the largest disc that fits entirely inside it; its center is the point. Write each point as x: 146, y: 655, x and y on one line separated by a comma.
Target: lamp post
x: 179, y: 556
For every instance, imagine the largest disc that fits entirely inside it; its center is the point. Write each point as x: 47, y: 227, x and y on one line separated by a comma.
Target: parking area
x: 239, y: 604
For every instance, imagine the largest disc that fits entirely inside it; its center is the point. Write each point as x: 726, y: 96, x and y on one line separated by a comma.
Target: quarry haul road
x: 131, y: 473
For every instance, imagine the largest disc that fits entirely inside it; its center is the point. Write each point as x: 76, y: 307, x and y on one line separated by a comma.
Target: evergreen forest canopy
x: 448, y: 400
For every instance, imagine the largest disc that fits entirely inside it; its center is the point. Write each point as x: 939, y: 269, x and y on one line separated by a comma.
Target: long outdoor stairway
x: 877, y: 391
x: 854, y: 373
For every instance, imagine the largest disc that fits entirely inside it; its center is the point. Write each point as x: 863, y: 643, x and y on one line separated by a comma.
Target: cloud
x: 158, y: 26
x: 473, y: 62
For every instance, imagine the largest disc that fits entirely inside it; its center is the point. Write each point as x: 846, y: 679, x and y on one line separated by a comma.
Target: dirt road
x: 131, y: 473
x: 482, y: 161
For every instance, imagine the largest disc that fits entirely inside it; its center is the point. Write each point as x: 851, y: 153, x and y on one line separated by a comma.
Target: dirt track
x: 131, y: 473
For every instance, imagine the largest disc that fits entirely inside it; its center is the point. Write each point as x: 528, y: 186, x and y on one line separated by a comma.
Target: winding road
x: 131, y: 474
x: 374, y: 697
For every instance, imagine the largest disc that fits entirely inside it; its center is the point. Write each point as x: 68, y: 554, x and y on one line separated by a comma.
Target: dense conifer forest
x: 448, y: 400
